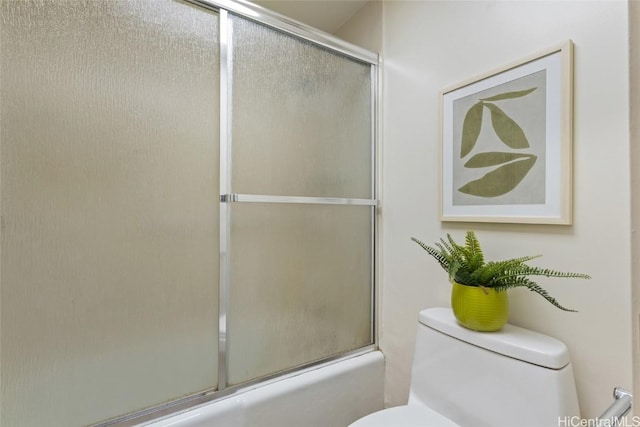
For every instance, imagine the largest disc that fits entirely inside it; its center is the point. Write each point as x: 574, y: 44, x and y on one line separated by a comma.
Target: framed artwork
x: 506, y: 143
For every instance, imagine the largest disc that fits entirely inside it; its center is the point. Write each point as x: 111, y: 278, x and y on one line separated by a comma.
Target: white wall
x: 428, y: 46
x: 634, y: 21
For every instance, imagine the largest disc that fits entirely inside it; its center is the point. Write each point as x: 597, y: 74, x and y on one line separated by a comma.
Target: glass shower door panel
x: 109, y: 183
x: 301, y: 117
x: 301, y: 291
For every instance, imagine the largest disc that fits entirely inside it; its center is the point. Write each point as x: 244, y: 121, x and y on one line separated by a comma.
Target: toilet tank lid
x: 512, y: 341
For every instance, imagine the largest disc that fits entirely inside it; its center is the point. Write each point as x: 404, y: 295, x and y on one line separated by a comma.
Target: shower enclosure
x: 187, y: 202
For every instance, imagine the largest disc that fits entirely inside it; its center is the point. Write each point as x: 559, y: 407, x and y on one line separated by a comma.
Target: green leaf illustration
x: 492, y: 158
x: 501, y: 180
x: 510, y: 95
x: 471, y: 128
x: 507, y: 130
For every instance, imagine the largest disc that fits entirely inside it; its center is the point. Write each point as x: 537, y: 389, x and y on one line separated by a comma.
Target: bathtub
x: 332, y: 395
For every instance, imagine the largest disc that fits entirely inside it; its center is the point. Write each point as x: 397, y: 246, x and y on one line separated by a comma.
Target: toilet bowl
x: 405, y: 416
x: 465, y: 378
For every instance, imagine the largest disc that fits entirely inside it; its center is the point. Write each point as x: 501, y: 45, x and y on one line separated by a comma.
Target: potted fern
x: 479, y: 298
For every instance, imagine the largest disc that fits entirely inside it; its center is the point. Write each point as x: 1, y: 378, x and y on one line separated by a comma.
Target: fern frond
x: 439, y: 256
x: 453, y: 272
x: 453, y: 243
x: 476, y: 256
x: 453, y: 253
x: 463, y: 277
x: 493, y: 270
x: 445, y: 247
x: 421, y: 243
x: 546, y: 272
x: 527, y: 270
x: 534, y: 287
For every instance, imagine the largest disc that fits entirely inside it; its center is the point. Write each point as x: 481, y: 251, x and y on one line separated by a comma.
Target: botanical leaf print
x: 471, y: 128
x: 512, y: 166
x: 507, y: 130
x: 510, y: 95
x: 501, y: 180
x: 492, y: 158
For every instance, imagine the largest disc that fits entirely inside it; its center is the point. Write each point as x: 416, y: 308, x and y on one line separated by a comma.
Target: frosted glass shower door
x: 110, y: 207
x: 129, y: 283
x: 301, y: 117
x: 302, y: 222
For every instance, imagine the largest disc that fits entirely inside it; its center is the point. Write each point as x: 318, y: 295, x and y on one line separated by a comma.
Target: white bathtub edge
x: 333, y: 394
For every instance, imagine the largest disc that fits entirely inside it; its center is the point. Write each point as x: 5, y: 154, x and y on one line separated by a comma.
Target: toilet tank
x: 491, y: 379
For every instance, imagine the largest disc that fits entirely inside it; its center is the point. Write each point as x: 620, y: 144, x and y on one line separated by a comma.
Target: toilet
x: 459, y: 377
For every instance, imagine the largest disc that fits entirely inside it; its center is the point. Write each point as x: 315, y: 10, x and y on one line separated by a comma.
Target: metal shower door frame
x: 262, y: 16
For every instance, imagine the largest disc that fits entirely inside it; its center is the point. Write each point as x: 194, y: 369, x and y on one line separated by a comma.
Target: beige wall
x: 431, y: 45
x: 365, y: 27
x: 634, y: 20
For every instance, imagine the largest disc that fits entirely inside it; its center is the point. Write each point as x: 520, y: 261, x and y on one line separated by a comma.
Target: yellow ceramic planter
x: 480, y: 309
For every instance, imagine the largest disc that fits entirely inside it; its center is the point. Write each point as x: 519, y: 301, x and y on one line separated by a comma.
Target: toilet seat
x: 405, y: 416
